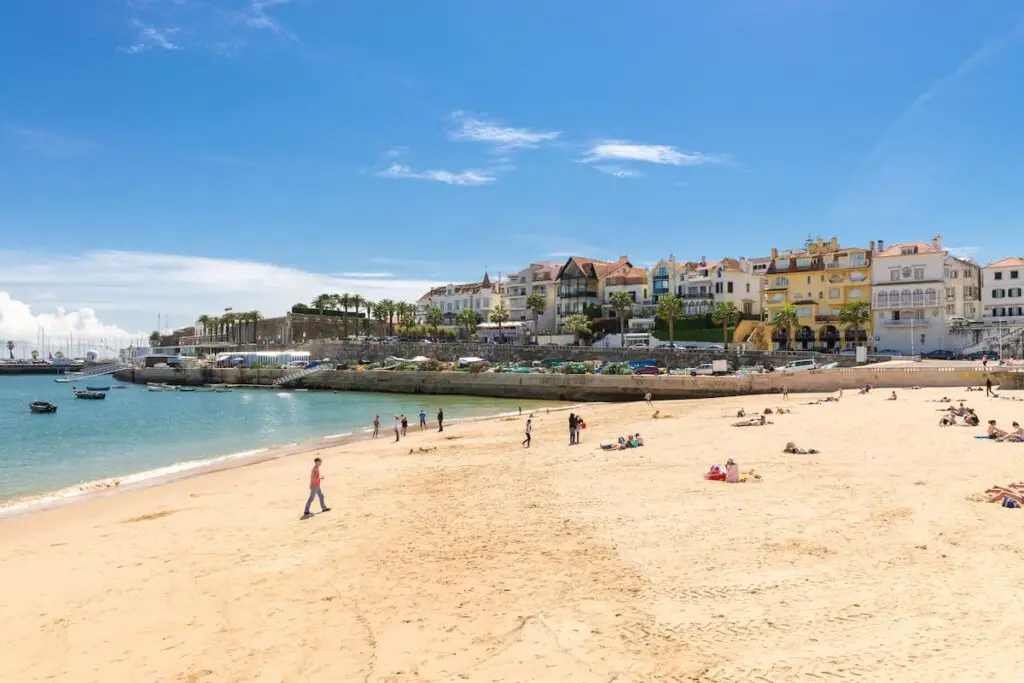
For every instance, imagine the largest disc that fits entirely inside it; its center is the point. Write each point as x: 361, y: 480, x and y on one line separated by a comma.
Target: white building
x: 1002, y: 298
x: 538, y: 278
x: 633, y: 281
x: 921, y: 297
x: 706, y: 284
x: 481, y: 297
x: 665, y: 278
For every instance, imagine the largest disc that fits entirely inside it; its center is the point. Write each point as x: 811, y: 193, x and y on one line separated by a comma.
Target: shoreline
x: 32, y: 503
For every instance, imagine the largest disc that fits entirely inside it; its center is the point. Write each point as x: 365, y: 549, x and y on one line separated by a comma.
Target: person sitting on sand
x: 995, y: 432
x: 1016, y: 436
x: 865, y: 389
x: 796, y: 450
x: 639, y: 440
x: 948, y: 420
x: 741, y: 413
x: 971, y: 419
x: 892, y: 397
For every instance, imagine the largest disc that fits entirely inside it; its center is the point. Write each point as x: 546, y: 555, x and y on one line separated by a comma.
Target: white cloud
x: 620, y: 150
x: 128, y: 289
x: 475, y: 129
x: 150, y: 37
x: 257, y: 17
x: 18, y: 323
x: 618, y: 171
x: 468, y: 177
x: 47, y: 143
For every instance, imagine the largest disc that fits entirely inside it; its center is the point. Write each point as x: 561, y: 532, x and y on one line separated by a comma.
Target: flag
x: 228, y: 309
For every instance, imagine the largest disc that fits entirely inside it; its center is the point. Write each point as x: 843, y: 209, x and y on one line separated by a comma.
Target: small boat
x: 93, y: 395
x: 222, y: 390
x: 186, y: 388
x: 120, y: 386
x: 159, y: 387
x: 42, y: 407
x: 107, y: 388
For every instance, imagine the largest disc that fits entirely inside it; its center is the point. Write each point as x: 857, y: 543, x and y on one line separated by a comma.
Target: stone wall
x: 588, y: 387
x: 510, y: 353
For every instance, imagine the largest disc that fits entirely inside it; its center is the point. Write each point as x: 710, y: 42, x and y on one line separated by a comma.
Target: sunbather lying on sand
x: 1013, y: 492
x: 752, y: 422
x: 633, y: 441
x: 793, y: 448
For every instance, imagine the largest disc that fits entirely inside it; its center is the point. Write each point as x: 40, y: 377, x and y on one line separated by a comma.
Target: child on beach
x: 314, y: 489
x: 376, y: 426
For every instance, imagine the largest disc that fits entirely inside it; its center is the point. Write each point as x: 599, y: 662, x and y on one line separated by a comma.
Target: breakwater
x: 29, y: 369
x: 499, y: 353
x: 583, y: 388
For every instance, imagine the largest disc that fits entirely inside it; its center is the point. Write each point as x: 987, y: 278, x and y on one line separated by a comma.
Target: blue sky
x: 253, y: 150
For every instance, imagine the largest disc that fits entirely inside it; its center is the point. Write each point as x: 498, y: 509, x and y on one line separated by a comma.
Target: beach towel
x: 983, y: 437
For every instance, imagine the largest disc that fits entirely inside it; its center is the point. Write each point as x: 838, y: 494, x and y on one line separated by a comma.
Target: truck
x: 715, y: 367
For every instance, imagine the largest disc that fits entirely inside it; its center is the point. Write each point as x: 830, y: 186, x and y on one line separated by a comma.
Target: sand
x: 481, y: 561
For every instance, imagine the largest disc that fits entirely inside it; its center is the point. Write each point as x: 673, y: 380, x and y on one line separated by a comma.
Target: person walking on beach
x: 529, y: 433
x: 647, y: 399
x: 440, y: 419
x: 423, y: 419
x: 988, y: 387
x: 314, y: 489
x: 785, y: 392
x: 572, y: 429
x: 398, y: 429
x: 376, y: 426
x: 405, y: 425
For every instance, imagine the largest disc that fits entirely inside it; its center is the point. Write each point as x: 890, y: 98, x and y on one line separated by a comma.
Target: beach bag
x: 583, y: 425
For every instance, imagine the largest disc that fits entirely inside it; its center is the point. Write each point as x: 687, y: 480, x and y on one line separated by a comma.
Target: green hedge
x: 713, y: 335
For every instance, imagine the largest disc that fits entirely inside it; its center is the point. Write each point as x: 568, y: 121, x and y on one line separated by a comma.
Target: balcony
x: 826, y: 318
x: 705, y: 296
x: 912, y: 322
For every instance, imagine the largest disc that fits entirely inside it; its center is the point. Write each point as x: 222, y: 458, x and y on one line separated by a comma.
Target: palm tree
x: 390, y: 311
x: 727, y: 315
x: 322, y: 302
x: 435, y: 318
x: 406, y: 316
x: 786, y: 318
x: 10, y: 349
x: 381, y: 311
x: 357, y: 302
x: 253, y: 318
x: 499, y: 315
x: 622, y: 303
x: 576, y: 325
x: 228, y: 321
x: 368, y: 307
x: 204, y: 322
x: 855, y: 315
x: 536, y: 304
x: 670, y: 307
x: 467, y: 318
x: 344, y: 302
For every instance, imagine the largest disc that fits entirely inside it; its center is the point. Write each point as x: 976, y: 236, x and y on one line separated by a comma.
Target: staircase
x: 97, y: 370
x: 995, y: 343
x: 293, y: 377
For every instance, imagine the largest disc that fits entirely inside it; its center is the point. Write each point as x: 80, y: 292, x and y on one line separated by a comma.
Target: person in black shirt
x: 572, y: 428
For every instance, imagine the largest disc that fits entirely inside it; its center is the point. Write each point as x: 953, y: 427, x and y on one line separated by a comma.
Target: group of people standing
x: 576, y: 425
x: 402, y: 424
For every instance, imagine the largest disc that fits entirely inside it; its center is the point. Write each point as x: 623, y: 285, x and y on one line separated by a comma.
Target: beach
x: 477, y: 560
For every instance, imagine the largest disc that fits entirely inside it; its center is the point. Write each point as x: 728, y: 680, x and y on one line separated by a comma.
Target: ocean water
x: 137, y: 431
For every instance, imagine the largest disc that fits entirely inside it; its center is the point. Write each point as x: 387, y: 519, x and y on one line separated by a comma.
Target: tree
x: 536, y: 304
x: 467, y: 318
x: 389, y: 309
x: 252, y: 318
x: 344, y: 302
x: 204, y: 322
x: 727, y: 315
x: 786, y: 318
x: 669, y: 308
x: 576, y: 325
x: 407, y: 316
x: 10, y: 349
x: 368, y: 308
x: 35, y: 355
x: 229, y: 320
x: 435, y: 318
x: 855, y: 315
x: 622, y: 303
x: 323, y: 302
x: 499, y: 315
x: 154, y: 338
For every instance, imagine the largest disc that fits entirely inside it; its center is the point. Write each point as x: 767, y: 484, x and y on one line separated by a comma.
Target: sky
x: 175, y: 157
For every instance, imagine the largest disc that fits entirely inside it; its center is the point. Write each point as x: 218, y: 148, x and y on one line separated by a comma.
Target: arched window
x: 931, y: 297
x: 883, y: 299
x: 905, y: 297
x: 919, y: 297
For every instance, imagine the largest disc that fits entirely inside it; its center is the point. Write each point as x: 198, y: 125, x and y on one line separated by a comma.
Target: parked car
x: 718, y: 367
x: 977, y: 355
x: 799, y: 365
x: 647, y: 370
x: 939, y: 354
x: 887, y: 352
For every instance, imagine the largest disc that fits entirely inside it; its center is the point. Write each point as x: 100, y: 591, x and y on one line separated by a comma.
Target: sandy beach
x: 875, y: 560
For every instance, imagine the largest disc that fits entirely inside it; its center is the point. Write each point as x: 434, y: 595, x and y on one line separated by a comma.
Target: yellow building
x: 818, y: 280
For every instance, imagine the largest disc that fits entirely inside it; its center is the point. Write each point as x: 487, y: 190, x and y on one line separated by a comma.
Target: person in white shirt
x: 529, y: 433
x: 398, y: 428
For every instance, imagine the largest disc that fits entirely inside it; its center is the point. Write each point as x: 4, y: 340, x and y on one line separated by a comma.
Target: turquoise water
x: 135, y: 430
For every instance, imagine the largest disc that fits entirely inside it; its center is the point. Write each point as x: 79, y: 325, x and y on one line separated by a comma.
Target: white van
x: 799, y: 365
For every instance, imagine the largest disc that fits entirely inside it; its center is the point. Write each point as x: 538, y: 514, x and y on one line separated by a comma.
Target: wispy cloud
x: 257, y: 16
x: 396, y: 152
x: 472, y: 128
x: 468, y: 177
x: 47, y: 143
x: 124, y: 289
x: 389, y: 261
x: 150, y: 37
x: 618, y: 171
x: 621, y: 150
x: 963, y: 252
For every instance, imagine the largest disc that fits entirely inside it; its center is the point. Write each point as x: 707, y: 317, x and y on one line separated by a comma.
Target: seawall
x: 582, y: 388
x: 28, y: 369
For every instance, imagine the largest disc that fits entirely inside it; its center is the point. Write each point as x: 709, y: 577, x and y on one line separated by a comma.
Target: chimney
x: 872, y: 248
x: 937, y: 242
x: 881, y: 245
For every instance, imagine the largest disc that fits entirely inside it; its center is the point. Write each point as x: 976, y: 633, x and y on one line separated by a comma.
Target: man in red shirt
x: 314, y: 489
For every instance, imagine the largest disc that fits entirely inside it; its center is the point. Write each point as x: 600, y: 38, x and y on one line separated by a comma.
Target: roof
x: 633, y: 276
x: 593, y: 268
x: 897, y: 249
x: 1007, y: 262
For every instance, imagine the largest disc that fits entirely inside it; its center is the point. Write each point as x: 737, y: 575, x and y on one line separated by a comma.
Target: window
x: 1013, y: 274
x: 808, y: 279
x: 856, y: 260
x: 748, y: 288
x: 905, y: 297
x: 663, y: 272
x: 945, y: 272
x: 999, y: 276
x: 894, y: 275
x: 918, y: 273
x: 804, y: 312
x: 728, y: 287
x: 833, y: 293
x: 718, y: 288
x: 1013, y: 292
x: 856, y: 293
x: 918, y: 297
x: 931, y: 297
x: 998, y: 293
x: 955, y: 273
x: 780, y: 282
x: 883, y: 299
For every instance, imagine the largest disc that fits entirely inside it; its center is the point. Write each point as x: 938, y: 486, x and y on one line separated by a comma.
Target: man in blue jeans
x: 314, y: 489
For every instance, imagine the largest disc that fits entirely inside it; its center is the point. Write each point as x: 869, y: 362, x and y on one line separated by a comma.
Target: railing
x: 826, y: 318
x: 97, y: 370
x: 995, y: 342
x: 915, y: 322
x: 291, y: 378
